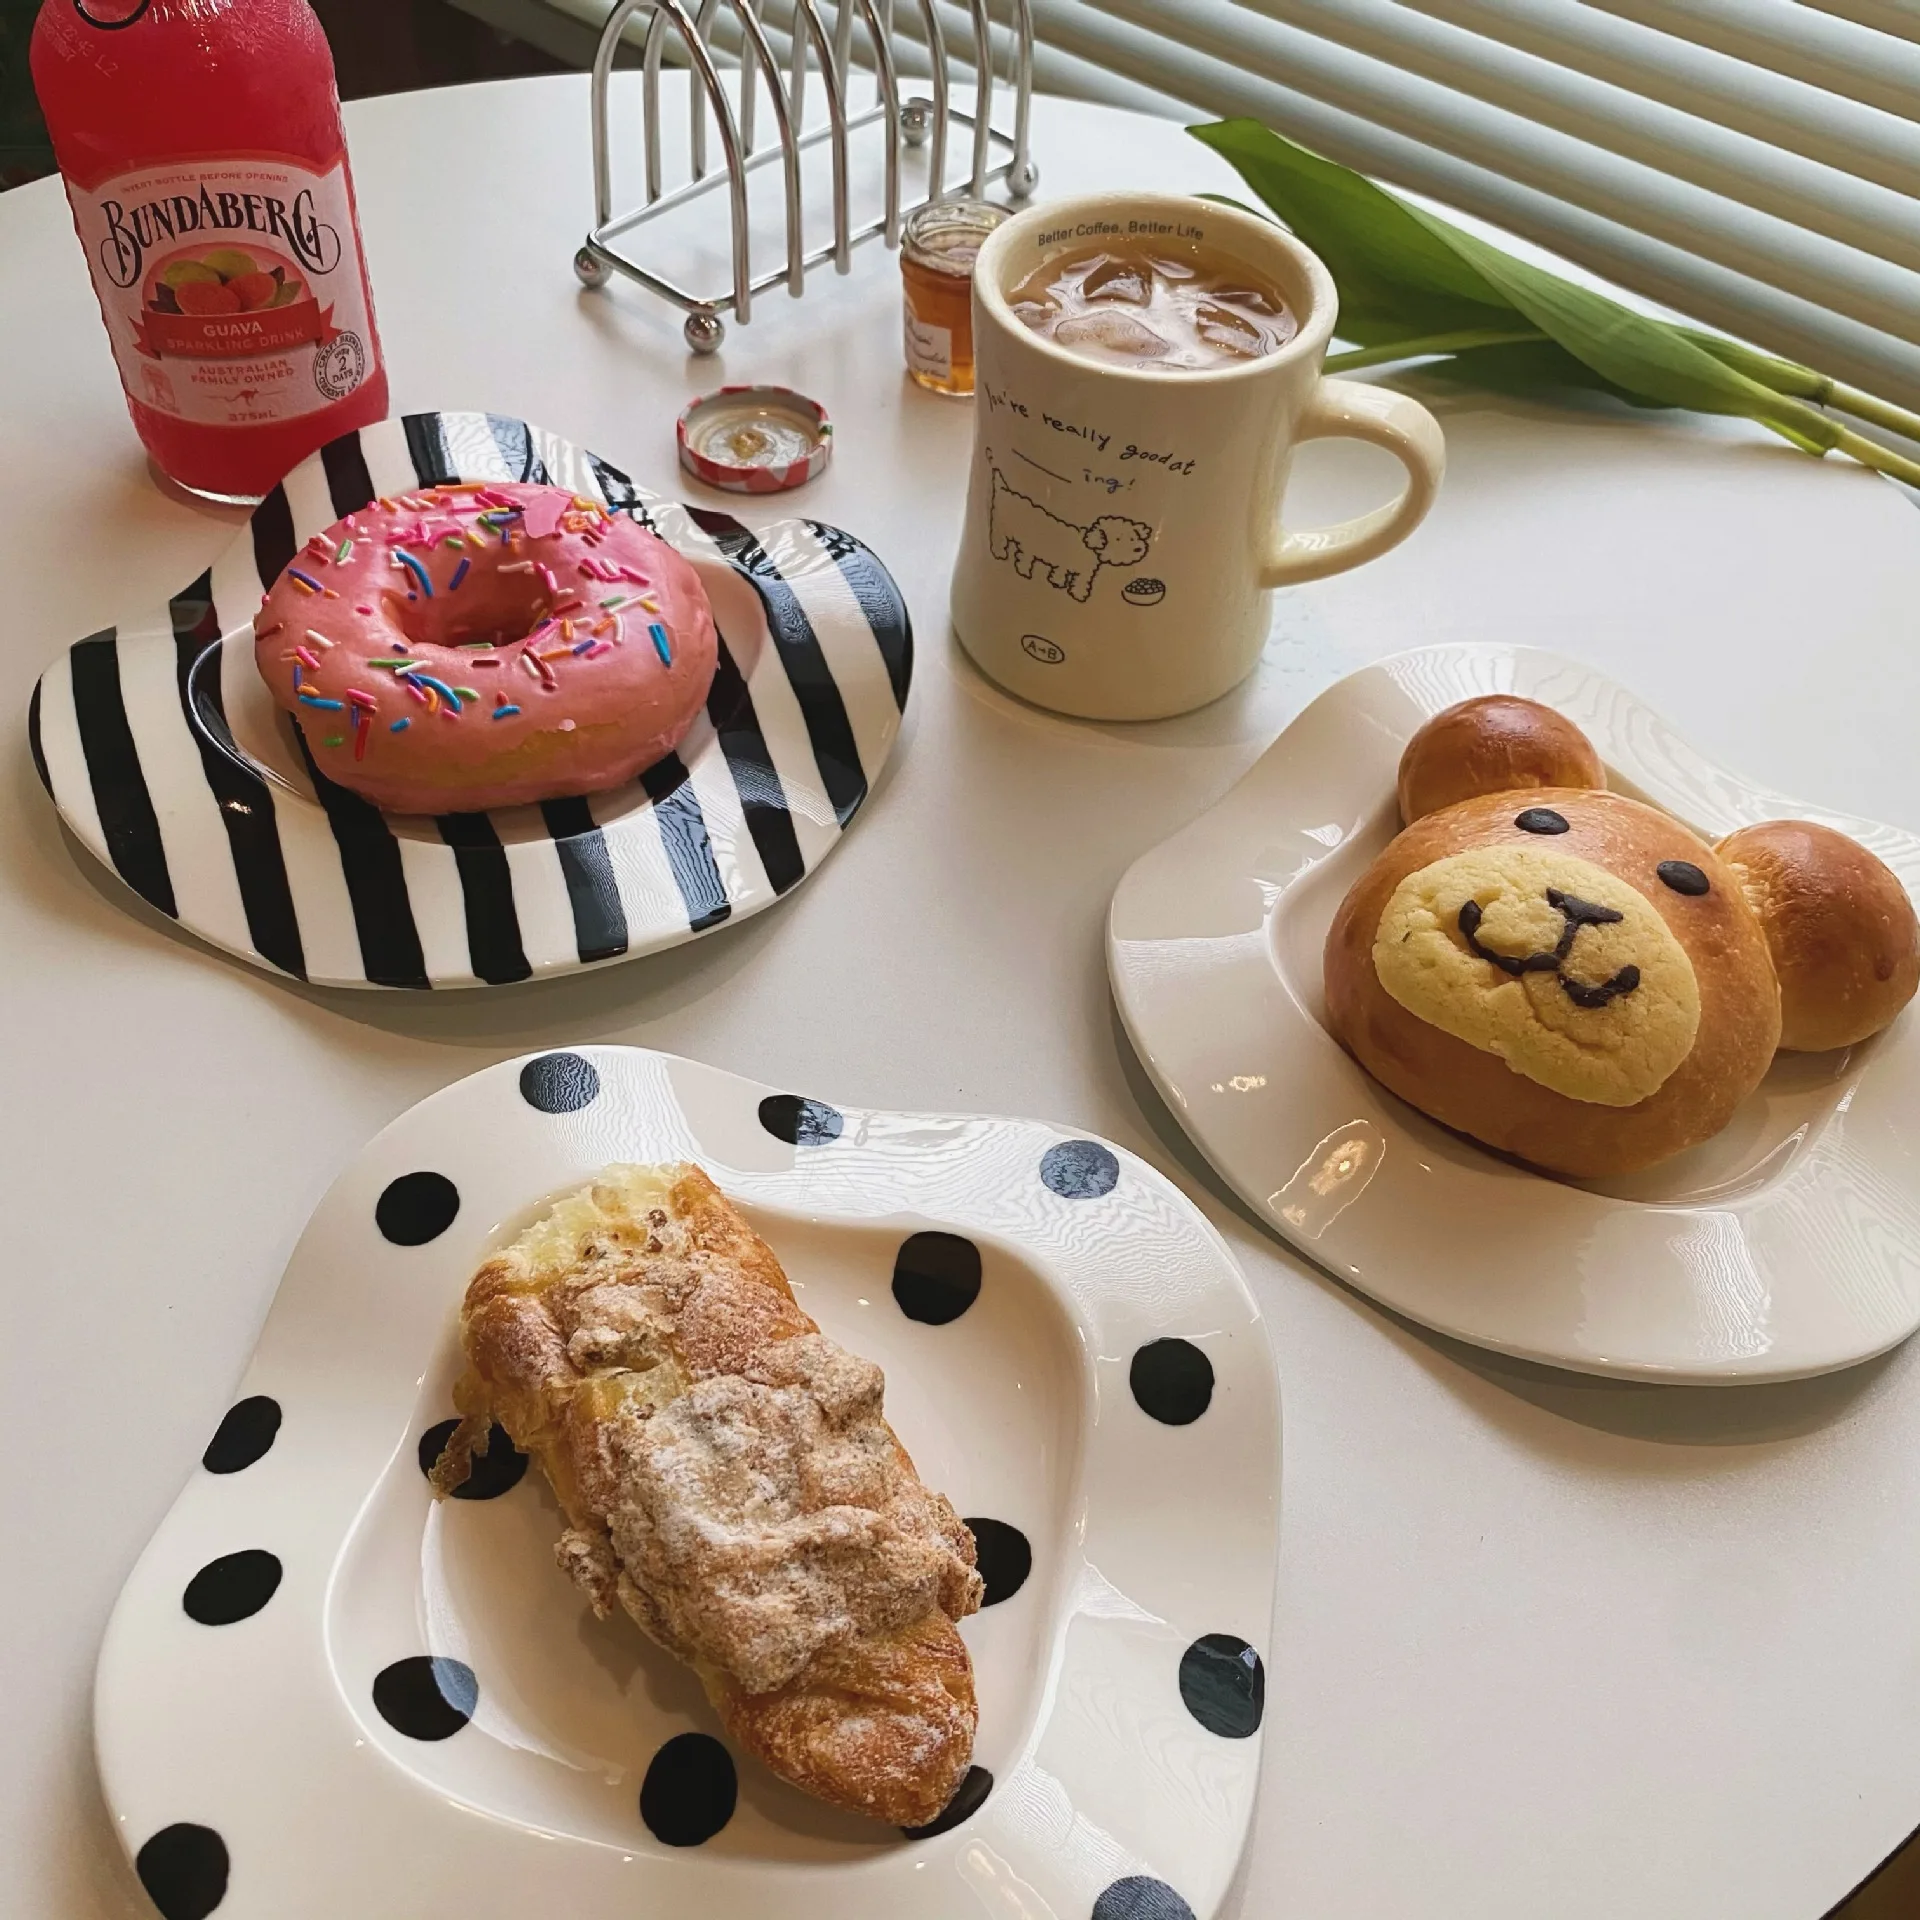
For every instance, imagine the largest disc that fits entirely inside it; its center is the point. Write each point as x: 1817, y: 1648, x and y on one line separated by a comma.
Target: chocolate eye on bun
x: 1577, y: 979
x: 1841, y: 930
x: 1497, y: 743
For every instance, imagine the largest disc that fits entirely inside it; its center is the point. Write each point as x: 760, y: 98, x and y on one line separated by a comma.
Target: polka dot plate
x: 323, y: 1693
x: 1788, y: 1245
x: 172, y: 765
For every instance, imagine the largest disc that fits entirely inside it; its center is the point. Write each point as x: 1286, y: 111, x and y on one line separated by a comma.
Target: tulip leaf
x: 1395, y: 276
x: 1533, y: 369
x: 1410, y: 280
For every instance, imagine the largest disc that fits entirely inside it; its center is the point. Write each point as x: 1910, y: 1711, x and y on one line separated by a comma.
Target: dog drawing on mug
x: 1070, y: 557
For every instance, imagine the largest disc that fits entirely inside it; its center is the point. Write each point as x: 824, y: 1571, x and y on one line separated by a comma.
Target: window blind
x: 1750, y: 163
x: 1753, y: 164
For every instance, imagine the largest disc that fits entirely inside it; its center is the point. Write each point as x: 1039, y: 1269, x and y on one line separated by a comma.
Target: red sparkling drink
x: 204, y: 161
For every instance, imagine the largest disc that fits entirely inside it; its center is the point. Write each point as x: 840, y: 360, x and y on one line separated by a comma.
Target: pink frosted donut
x: 466, y: 647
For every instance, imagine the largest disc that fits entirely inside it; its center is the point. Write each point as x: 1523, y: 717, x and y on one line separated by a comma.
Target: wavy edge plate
x: 1803, y: 1261
x: 293, y: 873
x: 234, y: 1756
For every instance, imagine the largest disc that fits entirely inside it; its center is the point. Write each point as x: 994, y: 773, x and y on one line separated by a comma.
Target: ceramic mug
x: 1123, y: 528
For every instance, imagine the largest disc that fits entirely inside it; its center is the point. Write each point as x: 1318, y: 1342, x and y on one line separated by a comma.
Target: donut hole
x: 495, y: 605
x: 425, y: 623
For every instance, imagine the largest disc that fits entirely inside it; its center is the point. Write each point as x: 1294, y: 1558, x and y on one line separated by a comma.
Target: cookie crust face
x: 1676, y: 878
x: 1559, y: 968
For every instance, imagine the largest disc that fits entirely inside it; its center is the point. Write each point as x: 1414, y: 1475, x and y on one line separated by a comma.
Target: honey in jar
x: 938, y: 247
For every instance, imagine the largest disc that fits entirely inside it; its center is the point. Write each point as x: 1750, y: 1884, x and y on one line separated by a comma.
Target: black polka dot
x: 1224, y: 1685
x: 494, y: 1472
x: 426, y: 1696
x: 184, y: 1870
x: 800, y: 1123
x: 244, y: 1435
x: 968, y: 1798
x: 1139, y: 1897
x: 559, y: 1083
x: 936, y: 1277
x: 1172, y: 1380
x: 690, y: 1790
x: 1003, y: 1556
x: 1079, y: 1169
x: 1683, y: 876
x: 1541, y: 820
x: 416, y: 1208
x: 234, y: 1587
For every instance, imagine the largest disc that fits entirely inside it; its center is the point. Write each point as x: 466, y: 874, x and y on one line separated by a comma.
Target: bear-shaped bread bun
x: 1845, y: 945
x: 1496, y: 743
x: 1578, y: 980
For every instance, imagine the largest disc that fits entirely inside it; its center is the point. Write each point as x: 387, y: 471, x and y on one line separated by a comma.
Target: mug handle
x: 1349, y: 409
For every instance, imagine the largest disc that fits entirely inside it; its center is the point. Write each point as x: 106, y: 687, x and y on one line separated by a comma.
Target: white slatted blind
x: 1752, y: 163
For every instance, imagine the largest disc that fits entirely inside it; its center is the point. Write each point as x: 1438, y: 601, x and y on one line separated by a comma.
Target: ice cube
x: 1110, y: 331
x: 1231, y: 332
x: 1250, y: 299
x: 1111, y: 279
x: 1170, y: 269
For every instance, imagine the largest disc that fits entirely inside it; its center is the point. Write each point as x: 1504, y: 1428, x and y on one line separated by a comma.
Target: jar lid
x: 947, y: 235
x: 754, y: 439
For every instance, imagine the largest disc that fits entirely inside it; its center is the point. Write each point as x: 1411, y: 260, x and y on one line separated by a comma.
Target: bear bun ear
x: 1842, y: 932
x: 1495, y: 743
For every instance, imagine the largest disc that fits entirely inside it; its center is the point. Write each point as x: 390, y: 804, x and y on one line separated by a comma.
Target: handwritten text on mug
x: 1096, y: 437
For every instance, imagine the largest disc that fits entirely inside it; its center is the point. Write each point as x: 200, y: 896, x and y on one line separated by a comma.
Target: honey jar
x: 938, y: 247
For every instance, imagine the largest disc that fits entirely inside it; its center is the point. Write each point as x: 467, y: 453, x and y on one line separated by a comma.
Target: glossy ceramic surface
x: 1788, y: 1245
x: 323, y: 1693
x: 170, y: 762
x: 1123, y: 527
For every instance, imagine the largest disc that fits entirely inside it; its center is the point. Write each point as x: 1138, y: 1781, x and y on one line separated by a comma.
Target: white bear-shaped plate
x: 323, y: 1694
x: 1788, y: 1245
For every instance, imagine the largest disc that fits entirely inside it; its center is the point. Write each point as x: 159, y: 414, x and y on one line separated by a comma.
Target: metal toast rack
x: 713, y: 38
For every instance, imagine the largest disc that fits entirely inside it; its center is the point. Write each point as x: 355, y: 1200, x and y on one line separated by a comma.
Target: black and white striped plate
x: 168, y: 758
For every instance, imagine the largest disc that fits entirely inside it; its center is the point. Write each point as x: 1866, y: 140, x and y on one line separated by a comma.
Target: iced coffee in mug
x: 1145, y: 366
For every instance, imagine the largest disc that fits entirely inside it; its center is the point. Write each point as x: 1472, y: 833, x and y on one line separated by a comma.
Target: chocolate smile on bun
x: 1560, y: 968
x: 1575, y: 978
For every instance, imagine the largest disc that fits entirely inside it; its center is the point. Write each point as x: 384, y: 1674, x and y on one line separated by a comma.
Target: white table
x: 1545, y: 1645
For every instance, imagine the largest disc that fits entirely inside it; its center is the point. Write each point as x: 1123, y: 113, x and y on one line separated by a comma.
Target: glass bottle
x: 201, y: 145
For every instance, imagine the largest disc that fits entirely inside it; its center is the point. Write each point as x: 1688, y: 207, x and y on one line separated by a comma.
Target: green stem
x: 1415, y: 349
x: 1783, y: 376
x: 1883, y: 413
x: 1802, y: 393
x: 1838, y: 439
x: 1870, y: 453
x: 1802, y: 383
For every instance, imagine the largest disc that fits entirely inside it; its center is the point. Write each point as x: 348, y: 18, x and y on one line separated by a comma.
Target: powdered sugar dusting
x: 727, y: 1469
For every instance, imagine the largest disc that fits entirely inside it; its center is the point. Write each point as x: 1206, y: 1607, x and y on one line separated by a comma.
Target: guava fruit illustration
x: 195, y: 297
x: 180, y: 273
x: 229, y: 262
x: 254, y: 290
x: 291, y: 291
